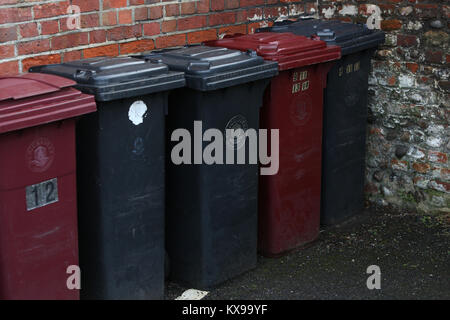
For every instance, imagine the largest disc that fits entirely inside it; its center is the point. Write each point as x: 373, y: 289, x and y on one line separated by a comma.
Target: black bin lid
x: 349, y: 36
x: 116, y: 78
x: 211, y: 68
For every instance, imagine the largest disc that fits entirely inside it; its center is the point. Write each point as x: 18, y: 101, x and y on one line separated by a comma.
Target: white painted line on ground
x: 193, y: 294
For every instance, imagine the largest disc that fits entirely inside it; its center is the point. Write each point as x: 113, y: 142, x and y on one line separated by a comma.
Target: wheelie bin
x: 212, y: 208
x: 289, y: 202
x: 38, y: 212
x: 121, y: 157
x: 345, y: 113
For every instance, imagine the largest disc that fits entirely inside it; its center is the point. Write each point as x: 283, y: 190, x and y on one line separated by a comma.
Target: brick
x: 141, y: 14
x: 97, y: 36
x: 125, y: 17
x: 109, y: 51
x: 433, y: 56
x: 201, y: 36
x: 390, y: 25
x: 231, y: 4
x: 151, y: 29
x: 70, y: 40
x: 88, y: 21
x: 50, y: 10
x: 10, y: 15
x: 40, y: 60
x: 222, y: 18
x: 203, y: 6
x: 251, y: 28
x: 172, y: 10
x: 87, y: 6
x: 387, y: 9
x: 426, y: 10
x: 217, y: 5
x: 255, y: 14
x: 155, y: 13
x: 109, y: 18
x: 72, y: 55
x: 241, y: 16
x: 8, y: 34
x: 49, y: 27
x: 392, y: 81
x: 195, y: 22
x: 137, y: 46
x: 169, y: 26
x: 187, y: 8
x: 250, y: 3
x: 28, y: 30
x: 421, y: 167
x: 124, y: 32
x: 413, y: 67
x: 9, y: 68
x: 171, y: 41
x: 406, y: 40
x: 233, y: 30
x: 6, y: 51
x: 110, y: 4
x: 34, y: 46
x: 272, y: 12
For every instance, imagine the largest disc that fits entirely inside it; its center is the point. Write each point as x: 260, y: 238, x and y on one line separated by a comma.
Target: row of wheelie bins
x: 121, y: 165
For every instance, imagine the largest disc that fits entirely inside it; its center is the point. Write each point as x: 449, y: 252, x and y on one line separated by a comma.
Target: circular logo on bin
x: 237, y: 122
x: 301, y: 110
x: 40, y: 155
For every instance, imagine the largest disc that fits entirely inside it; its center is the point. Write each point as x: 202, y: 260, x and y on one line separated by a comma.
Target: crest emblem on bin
x: 40, y: 154
x: 236, y: 123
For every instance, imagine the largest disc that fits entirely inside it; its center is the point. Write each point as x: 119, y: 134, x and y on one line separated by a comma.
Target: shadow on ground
x: 412, y: 251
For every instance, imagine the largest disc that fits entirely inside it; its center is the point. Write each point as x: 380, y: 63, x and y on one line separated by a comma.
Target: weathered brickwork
x: 408, y: 134
x: 36, y: 32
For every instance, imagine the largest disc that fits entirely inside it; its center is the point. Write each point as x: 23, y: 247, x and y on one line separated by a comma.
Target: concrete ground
x: 412, y: 251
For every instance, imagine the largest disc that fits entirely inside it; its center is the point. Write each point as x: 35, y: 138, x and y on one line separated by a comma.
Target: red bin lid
x: 288, y: 49
x: 33, y: 99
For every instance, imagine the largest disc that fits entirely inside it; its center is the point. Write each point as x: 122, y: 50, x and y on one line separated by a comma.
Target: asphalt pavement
x: 412, y: 251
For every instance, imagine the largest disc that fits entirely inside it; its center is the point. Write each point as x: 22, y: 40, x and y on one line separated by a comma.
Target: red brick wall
x: 35, y: 32
x: 409, y: 100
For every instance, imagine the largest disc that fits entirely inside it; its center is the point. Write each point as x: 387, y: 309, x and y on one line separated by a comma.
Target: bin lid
x: 351, y: 37
x: 209, y: 68
x: 29, y: 100
x: 116, y: 78
x: 288, y: 49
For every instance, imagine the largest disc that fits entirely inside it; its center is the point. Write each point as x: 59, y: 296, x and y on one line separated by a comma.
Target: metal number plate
x: 42, y: 194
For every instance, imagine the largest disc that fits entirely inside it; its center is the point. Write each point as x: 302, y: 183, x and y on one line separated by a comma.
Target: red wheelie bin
x: 38, y: 212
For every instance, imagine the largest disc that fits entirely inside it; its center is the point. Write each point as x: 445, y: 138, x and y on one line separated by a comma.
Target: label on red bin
x: 42, y: 194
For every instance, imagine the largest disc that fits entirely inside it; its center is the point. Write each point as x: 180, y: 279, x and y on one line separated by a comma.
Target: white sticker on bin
x: 193, y: 294
x: 137, y: 112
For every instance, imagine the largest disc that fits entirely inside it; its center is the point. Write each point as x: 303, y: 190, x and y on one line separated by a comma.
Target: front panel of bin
x: 122, y: 175
x: 345, y: 114
x: 38, y: 215
x: 289, y: 201
x: 212, y: 208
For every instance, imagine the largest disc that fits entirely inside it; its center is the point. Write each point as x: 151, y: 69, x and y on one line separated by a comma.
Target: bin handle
x: 199, y: 65
x: 84, y: 74
x: 326, y: 33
